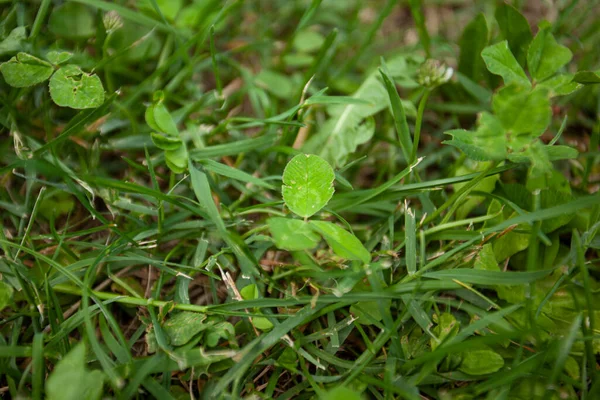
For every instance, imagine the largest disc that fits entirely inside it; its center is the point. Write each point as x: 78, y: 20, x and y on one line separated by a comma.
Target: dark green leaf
x: 587, y: 77
x: 472, y: 42
x: 72, y: 20
x: 515, y: 29
x: 481, y: 362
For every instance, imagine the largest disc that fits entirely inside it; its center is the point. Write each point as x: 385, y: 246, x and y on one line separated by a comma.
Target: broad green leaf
x: 262, y: 323
x: 342, y: 242
x: 486, y: 185
x: 6, y: 292
x: 587, y: 77
x: 292, y: 234
x: 182, y: 327
x: 58, y: 57
x: 487, y: 143
x: 25, y: 70
x: 522, y: 110
x: 346, y: 129
x: 486, y: 260
x: 177, y: 159
x: 500, y: 61
x: 447, y: 327
x: 168, y: 8
x: 341, y: 393
x: 551, y: 198
x: 511, y: 243
x: 71, y: 380
x: 307, y: 184
x: 160, y: 118
x: 481, y: 362
x: 308, y: 41
x: 165, y: 142
x: 553, y: 153
x: 72, y: 20
x: 249, y: 292
x: 515, y: 29
x: 218, y: 331
x: 560, y: 85
x: 71, y: 87
x: 472, y: 42
x: 545, y: 56
x: 14, y: 42
x: 276, y: 83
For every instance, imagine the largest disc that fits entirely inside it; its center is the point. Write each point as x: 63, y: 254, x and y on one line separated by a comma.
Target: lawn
x: 299, y: 199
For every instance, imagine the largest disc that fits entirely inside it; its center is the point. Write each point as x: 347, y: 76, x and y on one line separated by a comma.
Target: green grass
x: 147, y: 250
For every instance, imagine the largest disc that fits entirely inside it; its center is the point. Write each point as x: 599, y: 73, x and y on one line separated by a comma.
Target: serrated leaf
x: 515, y: 29
x: 587, y: 77
x: 472, y: 42
x: 71, y: 87
x: 292, y: 234
x: 307, y: 184
x: 6, y: 292
x: 522, y: 110
x: 487, y: 143
x: 25, y: 70
x: 165, y: 142
x: 58, y: 57
x: 560, y: 85
x: 500, y: 61
x: 182, y: 327
x: 71, y: 380
x: 481, y: 362
x: 545, y: 56
x: 342, y: 242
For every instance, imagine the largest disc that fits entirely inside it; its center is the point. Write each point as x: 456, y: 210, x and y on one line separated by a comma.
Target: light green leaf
x: 14, y: 42
x: 71, y: 87
x: 553, y: 153
x: 522, y: 110
x: 292, y: 234
x: 587, y: 77
x: 72, y: 20
x: 472, y: 42
x: 6, y: 292
x: 500, y: 61
x: 545, y: 56
x: 160, y: 119
x: 486, y: 259
x: 515, y: 29
x: 342, y: 242
x: 341, y: 393
x: 487, y: 143
x: 221, y: 330
x: 308, y: 41
x: 25, y: 70
x: 307, y: 184
x: 368, y: 312
x: 276, y: 83
x: 71, y: 380
x: 165, y: 142
x: 249, y: 292
x: 182, y: 327
x: 177, y: 160
x: 262, y: 323
x: 58, y: 57
x: 560, y: 85
x: 481, y: 362
x: 346, y: 129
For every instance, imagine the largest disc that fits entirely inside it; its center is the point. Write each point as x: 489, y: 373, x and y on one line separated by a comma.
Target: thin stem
x: 418, y: 124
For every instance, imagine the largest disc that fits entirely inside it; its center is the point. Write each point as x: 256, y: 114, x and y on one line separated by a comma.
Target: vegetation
x: 284, y: 199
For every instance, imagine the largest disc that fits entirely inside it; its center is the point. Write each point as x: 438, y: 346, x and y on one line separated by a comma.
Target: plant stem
x: 418, y: 124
